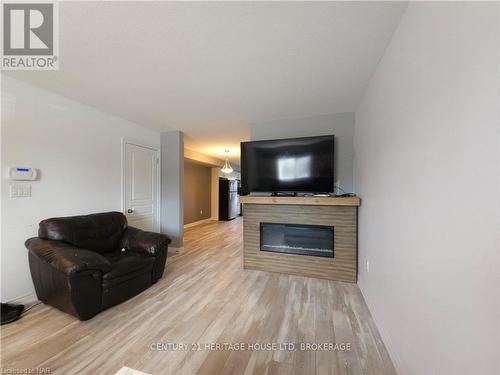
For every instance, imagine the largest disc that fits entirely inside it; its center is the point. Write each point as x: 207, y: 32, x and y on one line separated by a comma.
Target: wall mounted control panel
x: 22, y: 173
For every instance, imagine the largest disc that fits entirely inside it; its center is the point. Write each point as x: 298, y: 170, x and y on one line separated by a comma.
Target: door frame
x: 124, y: 142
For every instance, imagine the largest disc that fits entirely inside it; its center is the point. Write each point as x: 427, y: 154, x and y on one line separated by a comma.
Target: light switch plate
x: 20, y: 191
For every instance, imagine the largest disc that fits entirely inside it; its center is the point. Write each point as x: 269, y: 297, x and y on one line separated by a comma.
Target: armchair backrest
x: 98, y: 232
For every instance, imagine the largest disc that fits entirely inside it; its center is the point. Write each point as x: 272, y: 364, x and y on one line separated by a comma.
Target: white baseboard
x: 25, y: 300
x: 195, y: 223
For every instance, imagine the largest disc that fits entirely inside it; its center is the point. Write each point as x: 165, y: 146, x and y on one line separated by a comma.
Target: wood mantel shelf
x: 312, y: 201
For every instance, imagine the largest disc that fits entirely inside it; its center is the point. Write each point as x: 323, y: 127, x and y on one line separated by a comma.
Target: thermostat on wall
x: 22, y: 173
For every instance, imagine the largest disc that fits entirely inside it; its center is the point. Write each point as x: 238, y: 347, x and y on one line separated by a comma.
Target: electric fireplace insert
x: 313, y: 240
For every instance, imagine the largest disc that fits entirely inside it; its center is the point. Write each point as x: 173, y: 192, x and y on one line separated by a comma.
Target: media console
x: 306, y: 236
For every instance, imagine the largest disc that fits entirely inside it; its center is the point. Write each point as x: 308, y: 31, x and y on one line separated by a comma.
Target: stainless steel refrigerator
x: 229, y: 203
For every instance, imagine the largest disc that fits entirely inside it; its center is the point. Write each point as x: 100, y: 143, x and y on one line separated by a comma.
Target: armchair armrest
x: 67, y: 258
x: 150, y: 243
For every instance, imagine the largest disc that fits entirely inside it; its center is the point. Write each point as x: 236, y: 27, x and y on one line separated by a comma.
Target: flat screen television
x: 288, y: 165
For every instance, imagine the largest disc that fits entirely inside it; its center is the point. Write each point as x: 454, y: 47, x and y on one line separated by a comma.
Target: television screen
x: 288, y: 165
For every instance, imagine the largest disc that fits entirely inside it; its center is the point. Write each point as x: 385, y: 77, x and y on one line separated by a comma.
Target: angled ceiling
x: 210, y: 69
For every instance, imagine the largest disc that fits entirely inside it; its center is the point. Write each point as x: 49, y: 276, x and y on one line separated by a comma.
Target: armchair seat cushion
x: 126, y: 262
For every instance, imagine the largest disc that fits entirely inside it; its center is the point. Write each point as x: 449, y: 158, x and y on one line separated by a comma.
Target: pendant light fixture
x: 226, y: 168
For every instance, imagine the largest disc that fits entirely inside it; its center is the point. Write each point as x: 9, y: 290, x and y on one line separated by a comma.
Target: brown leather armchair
x: 85, y: 264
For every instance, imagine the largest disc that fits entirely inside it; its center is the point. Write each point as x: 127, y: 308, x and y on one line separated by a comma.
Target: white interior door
x: 141, y: 187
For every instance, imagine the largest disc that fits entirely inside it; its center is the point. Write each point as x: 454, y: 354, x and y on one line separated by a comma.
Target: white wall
x: 426, y: 168
x: 340, y: 124
x: 78, y: 151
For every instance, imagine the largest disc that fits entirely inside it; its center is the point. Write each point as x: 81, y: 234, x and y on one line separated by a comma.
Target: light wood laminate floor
x: 206, y: 297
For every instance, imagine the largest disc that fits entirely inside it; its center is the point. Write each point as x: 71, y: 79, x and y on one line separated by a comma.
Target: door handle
x: 130, y: 211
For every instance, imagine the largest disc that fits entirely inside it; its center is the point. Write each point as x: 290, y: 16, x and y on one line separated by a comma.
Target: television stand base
x: 283, y: 194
